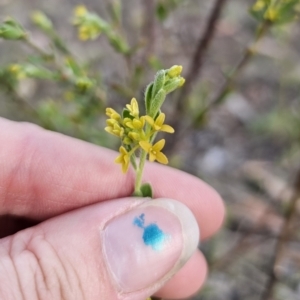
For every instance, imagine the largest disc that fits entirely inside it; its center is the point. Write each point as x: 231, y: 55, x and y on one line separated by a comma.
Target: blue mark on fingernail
x: 153, y: 236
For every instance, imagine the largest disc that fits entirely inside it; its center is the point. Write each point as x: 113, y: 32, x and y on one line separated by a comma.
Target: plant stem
x: 139, y: 173
x: 248, y: 54
x: 36, y: 48
x: 284, y: 237
x: 195, y: 67
x: 98, y: 92
x: 196, y: 62
x: 227, y: 86
x: 133, y: 161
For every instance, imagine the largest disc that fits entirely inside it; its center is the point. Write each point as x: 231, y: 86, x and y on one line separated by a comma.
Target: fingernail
x: 145, y: 246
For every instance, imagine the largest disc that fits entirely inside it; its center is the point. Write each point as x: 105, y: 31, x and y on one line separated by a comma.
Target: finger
x: 122, y: 249
x: 187, y: 281
x: 43, y: 174
x: 199, y: 197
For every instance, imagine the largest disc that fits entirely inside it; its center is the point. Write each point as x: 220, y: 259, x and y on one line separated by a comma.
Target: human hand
x: 86, y: 247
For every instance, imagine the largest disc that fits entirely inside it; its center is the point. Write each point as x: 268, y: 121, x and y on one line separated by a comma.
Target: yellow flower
x: 84, y: 33
x: 18, y: 71
x: 88, y: 32
x: 111, y: 122
x: 114, y: 128
x: 154, y: 151
x: 137, y: 136
x: 175, y: 71
x: 123, y: 159
x: 80, y: 11
x: 112, y: 114
x: 259, y: 5
x: 158, y: 124
x: 133, y: 108
x: 15, y: 68
x: 271, y: 14
x: 126, y: 140
x: 137, y: 123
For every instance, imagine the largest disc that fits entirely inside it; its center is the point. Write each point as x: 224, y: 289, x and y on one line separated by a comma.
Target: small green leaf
x: 148, y: 98
x: 161, y: 12
x: 116, y: 11
x: 146, y: 190
x: 159, y: 82
x: 157, y: 103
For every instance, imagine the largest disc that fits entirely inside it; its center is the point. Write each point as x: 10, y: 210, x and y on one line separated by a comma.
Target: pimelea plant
x: 138, y: 132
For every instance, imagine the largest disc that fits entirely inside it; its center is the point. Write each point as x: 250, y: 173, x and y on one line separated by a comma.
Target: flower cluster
x: 136, y: 132
x: 90, y: 26
x: 278, y: 12
x: 29, y: 70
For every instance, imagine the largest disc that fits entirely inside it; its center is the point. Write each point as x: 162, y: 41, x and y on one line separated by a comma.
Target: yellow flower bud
x: 271, y: 14
x: 182, y: 81
x: 259, y: 5
x: 41, y: 20
x: 133, y: 108
x: 134, y: 135
x: 112, y: 114
x: 127, y: 140
x: 80, y: 11
x: 175, y: 71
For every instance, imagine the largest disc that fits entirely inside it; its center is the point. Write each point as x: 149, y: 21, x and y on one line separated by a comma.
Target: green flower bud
x: 42, y: 21
x: 174, y: 84
x: 11, y: 30
x: 84, y: 83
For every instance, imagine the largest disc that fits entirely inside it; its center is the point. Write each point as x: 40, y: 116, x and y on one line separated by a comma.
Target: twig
x: 98, y: 92
x: 248, y: 54
x: 35, y: 47
x: 197, y: 59
x: 284, y: 237
x: 227, y: 86
x: 195, y: 67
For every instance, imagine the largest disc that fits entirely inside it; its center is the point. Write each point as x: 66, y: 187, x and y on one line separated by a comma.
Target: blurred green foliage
x: 77, y: 106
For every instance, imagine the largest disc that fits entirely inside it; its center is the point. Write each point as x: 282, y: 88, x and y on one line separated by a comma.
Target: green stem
x: 36, y: 48
x: 139, y: 173
x: 133, y: 161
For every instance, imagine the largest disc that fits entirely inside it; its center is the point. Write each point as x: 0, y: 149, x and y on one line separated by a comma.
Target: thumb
x: 120, y: 249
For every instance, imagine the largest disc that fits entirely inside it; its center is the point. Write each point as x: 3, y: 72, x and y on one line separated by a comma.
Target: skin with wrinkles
x: 43, y: 177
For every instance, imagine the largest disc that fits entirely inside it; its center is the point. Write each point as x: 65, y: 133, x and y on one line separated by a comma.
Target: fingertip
x: 217, y: 216
x: 203, y: 200
x: 188, y: 280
